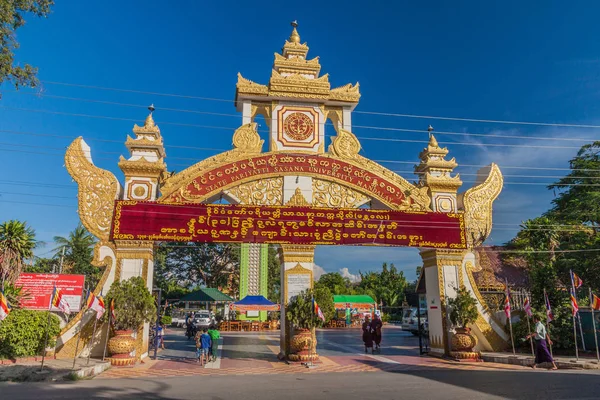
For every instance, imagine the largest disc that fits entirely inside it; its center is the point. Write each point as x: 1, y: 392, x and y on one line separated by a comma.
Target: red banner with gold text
x: 285, y: 224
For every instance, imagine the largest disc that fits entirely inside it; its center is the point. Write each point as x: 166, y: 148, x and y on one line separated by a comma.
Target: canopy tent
x: 206, y: 295
x: 359, y: 303
x: 255, y: 303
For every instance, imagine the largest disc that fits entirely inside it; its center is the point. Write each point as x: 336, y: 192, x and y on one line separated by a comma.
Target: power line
x: 357, y: 112
x: 233, y: 129
x: 195, y: 159
x: 327, y: 124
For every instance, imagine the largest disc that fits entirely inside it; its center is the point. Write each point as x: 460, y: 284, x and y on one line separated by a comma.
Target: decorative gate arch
x: 297, y: 170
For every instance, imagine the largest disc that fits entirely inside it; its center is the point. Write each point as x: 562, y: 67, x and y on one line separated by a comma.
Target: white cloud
x: 317, y: 272
x: 346, y: 274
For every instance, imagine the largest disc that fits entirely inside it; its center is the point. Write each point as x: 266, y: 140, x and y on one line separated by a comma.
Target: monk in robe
x: 367, y: 335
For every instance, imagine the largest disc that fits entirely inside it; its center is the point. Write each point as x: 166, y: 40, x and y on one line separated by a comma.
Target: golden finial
x: 294, y: 37
x: 432, y: 141
x: 149, y: 120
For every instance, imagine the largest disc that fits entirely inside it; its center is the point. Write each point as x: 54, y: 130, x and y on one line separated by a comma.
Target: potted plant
x: 463, y: 312
x: 301, y: 314
x: 134, y: 305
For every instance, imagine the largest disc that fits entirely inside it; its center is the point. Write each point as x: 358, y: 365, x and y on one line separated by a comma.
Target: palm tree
x: 78, y: 250
x: 17, y: 241
x: 79, y: 243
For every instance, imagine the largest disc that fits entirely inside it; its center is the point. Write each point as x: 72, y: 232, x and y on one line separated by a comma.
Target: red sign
x: 37, y: 290
x: 285, y: 224
x: 215, y: 180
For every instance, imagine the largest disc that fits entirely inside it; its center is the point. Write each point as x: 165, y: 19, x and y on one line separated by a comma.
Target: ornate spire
x: 149, y: 127
x: 149, y: 123
x: 294, y: 37
x: 145, y: 148
x: 434, y: 170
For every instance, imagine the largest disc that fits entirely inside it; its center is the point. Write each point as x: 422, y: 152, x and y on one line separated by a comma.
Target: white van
x: 410, y: 320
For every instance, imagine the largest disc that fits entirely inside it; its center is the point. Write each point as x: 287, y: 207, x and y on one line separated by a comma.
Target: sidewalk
x: 54, y: 370
x: 527, y: 360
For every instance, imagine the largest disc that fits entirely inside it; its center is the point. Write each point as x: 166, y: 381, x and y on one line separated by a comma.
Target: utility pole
x: 62, y: 257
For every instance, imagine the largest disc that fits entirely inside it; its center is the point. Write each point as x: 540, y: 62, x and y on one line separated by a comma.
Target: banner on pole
x: 37, y: 290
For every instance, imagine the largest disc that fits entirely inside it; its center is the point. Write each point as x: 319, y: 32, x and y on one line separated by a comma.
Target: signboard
x: 37, y: 290
x: 297, y: 280
x: 285, y: 225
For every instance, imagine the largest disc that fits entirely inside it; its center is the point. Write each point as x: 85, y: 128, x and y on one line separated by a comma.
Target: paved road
x: 249, y: 369
x: 425, y: 384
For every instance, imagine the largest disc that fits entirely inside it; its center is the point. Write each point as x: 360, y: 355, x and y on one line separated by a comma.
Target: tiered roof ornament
x: 295, y: 76
x: 147, y: 151
x: 435, y: 171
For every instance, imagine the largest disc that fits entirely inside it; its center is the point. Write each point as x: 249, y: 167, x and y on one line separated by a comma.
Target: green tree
x: 23, y: 333
x: 17, y: 242
x: 335, y: 283
x: 12, y: 17
x: 324, y: 299
x: 78, y: 254
x: 41, y: 265
x: 274, y: 275
x: 194, y: 264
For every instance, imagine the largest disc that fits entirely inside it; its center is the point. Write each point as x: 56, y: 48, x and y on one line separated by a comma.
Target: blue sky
x: 533, y: 61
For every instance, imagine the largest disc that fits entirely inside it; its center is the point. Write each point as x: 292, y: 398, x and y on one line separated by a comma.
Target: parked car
x: 410, y: 321
x: 204, y: 319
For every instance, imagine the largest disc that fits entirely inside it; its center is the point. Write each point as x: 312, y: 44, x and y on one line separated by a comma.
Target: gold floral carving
x: 347, y: 92
x: 297, y: 199
x: 142, y: 167
x: 345, y: 145
x: 247, y: 139
x: 477, y: 203
x: 98, y: 189
x: 266, y: 192
x: 331, y: 194
x: 248, y: 87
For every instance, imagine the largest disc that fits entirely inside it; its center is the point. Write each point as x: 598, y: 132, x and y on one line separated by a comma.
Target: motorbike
x: 191, y: 331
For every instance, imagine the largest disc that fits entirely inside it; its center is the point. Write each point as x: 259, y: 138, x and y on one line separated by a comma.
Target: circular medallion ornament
x: 139, y: 191
x: 298, y: 126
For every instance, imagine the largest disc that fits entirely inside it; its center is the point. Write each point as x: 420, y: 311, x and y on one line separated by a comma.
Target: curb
x: 527, y: 361
x: 93, y: 370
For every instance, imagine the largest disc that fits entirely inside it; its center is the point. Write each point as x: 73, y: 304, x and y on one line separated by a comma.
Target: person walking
x: 367, y: 336
x: 160, y: 336
x: 215, y: 335
x: 541, y: 339
x: 376, y: 326
x: 202, y: 346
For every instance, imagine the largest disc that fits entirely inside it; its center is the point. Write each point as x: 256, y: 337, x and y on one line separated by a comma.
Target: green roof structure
x: 353, y: 299
x: 206, y: 295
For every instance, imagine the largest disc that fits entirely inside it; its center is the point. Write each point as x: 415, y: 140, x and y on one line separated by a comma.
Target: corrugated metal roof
x: 355, y: 299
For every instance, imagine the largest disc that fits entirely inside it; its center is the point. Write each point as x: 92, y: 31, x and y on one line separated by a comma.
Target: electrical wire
x: 493, y: 121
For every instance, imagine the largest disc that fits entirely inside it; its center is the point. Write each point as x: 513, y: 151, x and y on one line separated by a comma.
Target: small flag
x: 549, y: 315
x: 577, y: 281
x: 318, y: 311
x: 4, y: 306
x: 507, y: 302
x: 527, y: 307
x: 59, y: 301
x: 595, y: 302
x: 96, y: 303
x: 574, y: 306
x: 112, y: 312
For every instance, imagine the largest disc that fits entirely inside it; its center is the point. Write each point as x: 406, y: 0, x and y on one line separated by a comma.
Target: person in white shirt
x: 541, y: 339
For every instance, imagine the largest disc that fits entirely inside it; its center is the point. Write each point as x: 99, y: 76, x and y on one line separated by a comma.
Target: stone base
x: 465, y: 355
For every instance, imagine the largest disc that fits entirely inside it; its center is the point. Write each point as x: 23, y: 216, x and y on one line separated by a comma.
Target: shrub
x: 166, y: 319
x: 300, y: 311
x: 134, y: 304
x: 463, y: 309
x: 23, y: 332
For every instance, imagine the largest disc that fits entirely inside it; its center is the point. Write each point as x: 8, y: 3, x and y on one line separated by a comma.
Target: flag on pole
x: 527, y: 307
x: 112, y: 312
x: 96, y: 303
x: 318, y: 311
x: 574, y: 306
x: 59, y: 301
x: 507, y: 302
x: 4, y: 306
x: 549, y: 315
x: 577, y: 281
x: 595, y: 302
